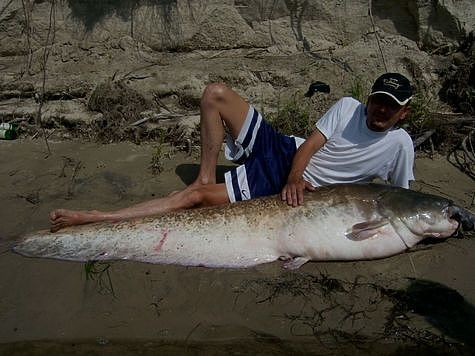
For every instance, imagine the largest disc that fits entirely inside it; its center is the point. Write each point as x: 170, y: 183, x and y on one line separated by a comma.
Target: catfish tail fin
x: 7, y: 244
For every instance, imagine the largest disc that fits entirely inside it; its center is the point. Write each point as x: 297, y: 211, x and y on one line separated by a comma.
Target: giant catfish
x: 337, y: 222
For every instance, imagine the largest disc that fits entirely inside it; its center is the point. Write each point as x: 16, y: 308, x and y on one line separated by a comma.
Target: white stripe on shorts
x: 239, y: 184
x: 234, y: 150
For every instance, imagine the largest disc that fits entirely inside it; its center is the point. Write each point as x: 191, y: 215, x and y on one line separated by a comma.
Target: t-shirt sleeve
x: 328, y: 123
x: 403, y: 168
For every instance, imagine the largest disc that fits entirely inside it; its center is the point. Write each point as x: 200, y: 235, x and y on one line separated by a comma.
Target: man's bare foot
x: 61, y: 218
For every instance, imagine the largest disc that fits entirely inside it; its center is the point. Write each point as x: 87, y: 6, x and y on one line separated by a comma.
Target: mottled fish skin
x: 338, y: 222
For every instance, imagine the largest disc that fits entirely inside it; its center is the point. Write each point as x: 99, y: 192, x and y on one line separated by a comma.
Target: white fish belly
x: 221, y: 244
x: 325, y: 236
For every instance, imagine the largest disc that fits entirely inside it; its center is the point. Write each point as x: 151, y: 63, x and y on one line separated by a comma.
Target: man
x: 357, y: 143
x: 351, y: 143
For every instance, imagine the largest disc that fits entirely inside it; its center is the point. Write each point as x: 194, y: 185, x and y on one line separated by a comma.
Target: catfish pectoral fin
x: 365, y: 230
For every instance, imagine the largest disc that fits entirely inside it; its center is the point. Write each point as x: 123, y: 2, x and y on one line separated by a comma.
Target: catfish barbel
x: 336, y: 222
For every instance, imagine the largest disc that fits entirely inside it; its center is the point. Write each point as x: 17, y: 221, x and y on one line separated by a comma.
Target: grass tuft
x: 359, y: 89
x: 294, y: 118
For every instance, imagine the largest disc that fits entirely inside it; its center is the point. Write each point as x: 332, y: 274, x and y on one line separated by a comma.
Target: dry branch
x: 423, y: 138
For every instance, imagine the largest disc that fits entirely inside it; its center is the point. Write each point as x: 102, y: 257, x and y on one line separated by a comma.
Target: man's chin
x: 375, y: 126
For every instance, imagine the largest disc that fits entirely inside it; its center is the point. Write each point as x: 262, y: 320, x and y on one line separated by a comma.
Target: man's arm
x: 292, y: 192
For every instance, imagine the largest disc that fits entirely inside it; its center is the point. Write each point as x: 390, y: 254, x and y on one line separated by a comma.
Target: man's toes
x: 55, y: 214
x: 58, y: 223
x: 55, y: 227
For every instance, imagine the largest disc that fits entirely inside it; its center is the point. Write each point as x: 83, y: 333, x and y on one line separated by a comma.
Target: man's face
x: 384, y: 112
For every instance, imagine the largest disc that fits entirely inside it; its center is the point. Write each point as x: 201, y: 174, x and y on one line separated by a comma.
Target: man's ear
x: 406, y: 110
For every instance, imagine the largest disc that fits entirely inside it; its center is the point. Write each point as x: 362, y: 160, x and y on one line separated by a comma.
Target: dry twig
x: 376, y: 34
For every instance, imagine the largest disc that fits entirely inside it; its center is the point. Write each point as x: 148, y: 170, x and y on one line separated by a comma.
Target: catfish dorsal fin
x: 365, y: 230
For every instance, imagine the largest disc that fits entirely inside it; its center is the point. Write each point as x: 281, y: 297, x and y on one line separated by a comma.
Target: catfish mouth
x: 464, y: 218
x: 438, y: 224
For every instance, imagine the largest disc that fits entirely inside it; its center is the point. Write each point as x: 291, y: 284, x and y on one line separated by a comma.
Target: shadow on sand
x: 188, y: 172
x: 442, y: 307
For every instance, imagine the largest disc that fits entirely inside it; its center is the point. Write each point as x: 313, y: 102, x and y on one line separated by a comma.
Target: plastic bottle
x: 7, y: 126
x: 7, y: 133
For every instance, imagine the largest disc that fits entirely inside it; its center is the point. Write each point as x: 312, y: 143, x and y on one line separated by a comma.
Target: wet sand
x: 420, y: 301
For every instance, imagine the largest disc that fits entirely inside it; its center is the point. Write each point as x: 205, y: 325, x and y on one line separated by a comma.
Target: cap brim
x: 393, y: 97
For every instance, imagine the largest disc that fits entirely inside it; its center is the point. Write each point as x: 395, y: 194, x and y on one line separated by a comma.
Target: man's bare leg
x: 208, y: 195
x: 219, y: 105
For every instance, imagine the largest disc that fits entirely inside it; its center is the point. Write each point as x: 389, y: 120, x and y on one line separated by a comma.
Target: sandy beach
x: 419, y: 301
x: 84, y: 74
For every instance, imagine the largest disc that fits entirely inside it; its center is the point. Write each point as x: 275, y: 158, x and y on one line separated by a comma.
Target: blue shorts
x: 265, y: 156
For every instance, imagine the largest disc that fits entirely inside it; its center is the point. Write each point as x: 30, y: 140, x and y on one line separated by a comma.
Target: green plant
x: 359, y: 89
x: 156, y: 162
x: 419, y: 118
x: 427, y: 127
x: 99, y: 272
x: 293, y: 118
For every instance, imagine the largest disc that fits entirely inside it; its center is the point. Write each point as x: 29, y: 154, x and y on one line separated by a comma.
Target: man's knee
x: 206, y: 195
x: 195, y: 197
x: 213, y: 93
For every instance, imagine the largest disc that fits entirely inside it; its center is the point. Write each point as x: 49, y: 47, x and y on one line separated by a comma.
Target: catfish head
x: 416, y: 216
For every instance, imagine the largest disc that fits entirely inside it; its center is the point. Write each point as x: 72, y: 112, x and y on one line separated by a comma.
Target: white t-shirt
x: 354, y: 153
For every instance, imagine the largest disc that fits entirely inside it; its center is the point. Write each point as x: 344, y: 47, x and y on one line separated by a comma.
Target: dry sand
x: 419, y: 301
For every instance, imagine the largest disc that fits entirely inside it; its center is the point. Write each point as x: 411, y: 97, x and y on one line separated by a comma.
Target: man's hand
x: 293, y: 191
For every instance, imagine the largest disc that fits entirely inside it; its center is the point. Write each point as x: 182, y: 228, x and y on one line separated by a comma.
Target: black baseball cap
x: 395, y: 85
